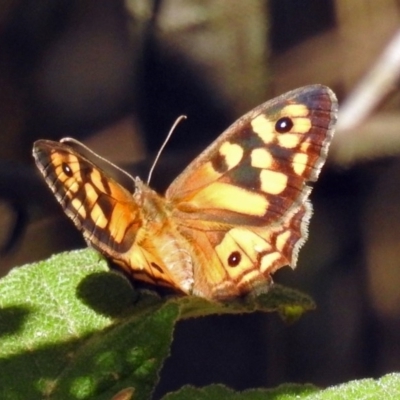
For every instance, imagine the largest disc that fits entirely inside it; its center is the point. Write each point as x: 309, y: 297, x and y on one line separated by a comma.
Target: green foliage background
x: 71, y: 329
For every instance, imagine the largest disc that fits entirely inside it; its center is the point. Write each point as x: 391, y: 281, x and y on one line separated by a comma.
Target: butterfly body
x: 236, y: 214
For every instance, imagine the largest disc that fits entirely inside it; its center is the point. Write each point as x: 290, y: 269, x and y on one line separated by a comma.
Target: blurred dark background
x: 117, y: 74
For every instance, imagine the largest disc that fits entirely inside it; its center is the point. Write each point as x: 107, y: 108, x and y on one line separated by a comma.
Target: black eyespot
x: 284, y: 125
x: 67, y: 169
x: 234, y: 259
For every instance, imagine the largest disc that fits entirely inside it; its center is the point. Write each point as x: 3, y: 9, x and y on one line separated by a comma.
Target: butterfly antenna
x: 95, y: 155
x: 178, y: 120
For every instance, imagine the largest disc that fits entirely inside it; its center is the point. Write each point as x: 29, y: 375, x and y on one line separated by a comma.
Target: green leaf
x: 387, y: 387
x: 71, y: 329
x: 289, y: 303
x: 220, y: 392
x: 65, y: 334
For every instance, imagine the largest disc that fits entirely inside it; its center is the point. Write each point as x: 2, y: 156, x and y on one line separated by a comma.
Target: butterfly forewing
x: 263, y: 161
x: 89, y: 197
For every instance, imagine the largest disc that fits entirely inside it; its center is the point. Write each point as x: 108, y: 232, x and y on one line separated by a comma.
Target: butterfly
x: 236, y: 214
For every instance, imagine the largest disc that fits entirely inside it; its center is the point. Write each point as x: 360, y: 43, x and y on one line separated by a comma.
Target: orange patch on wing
x: 78, y: 207
x: 269, y: 260
x: 233, y: 154
x: 301, y: 125
x: 299, y: 163
x: 261, y: 158
x: 98, y: 216
x: 264, y: 128
x: 231, y: 198
x: 91, y: 195
x: 96, y: 179
x: 72, y: 187
x: 250, y: 242
x: 289, y: 140
x: 295, y: 110
x: 273, y: 182
x: 282, y: 239
x: 203, y: 175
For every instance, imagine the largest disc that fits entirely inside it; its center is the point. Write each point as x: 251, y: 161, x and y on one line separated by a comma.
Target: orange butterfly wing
x: 246, y: 195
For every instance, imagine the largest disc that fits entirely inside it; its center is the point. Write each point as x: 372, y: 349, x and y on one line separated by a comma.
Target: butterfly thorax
x: 158, y: 254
